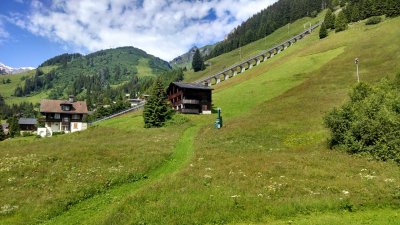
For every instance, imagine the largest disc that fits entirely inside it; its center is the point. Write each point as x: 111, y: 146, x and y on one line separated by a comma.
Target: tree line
x: 267, y: 21
x: 356, y: 10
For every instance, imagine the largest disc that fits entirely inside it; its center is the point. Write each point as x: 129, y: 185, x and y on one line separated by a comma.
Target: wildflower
x: 235, y: 196
x: 207, y: 176
x: 345, y: 192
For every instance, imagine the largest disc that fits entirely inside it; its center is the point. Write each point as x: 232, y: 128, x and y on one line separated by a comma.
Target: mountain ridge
x: 4, y: 69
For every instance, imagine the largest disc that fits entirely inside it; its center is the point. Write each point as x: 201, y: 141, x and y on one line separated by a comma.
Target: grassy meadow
x: 7, y: 90
x: 270, y: 161
x: 269, y: 164
x: 41, y: 178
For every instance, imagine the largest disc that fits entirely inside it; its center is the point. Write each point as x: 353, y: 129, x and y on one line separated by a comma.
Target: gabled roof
x: 27, y: 121
x: 54, y: 106
x: 191, y: 86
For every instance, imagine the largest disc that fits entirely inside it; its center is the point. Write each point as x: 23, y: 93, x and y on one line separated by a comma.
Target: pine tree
x: 329, y: 19
x: 2, y: 134
x: 323, y: 33
x: 157, y: 110
x: 341, y: 22
x: 198, y: 62
x: 13, y: 127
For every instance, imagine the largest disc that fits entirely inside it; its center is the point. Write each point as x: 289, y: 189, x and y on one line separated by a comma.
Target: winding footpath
x: 99, y: 206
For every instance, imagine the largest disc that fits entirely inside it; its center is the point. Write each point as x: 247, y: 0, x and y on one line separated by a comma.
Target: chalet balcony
x: 190, y: 111
x: 190, y: 101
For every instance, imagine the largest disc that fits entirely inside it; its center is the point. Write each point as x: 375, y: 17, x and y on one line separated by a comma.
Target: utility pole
x: 357, y: 61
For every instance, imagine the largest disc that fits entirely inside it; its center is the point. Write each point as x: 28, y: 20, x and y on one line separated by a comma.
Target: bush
x: 374, y: 20
x: 369, y: 123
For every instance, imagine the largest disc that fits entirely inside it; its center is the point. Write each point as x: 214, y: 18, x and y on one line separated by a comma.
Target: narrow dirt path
x: 96, y: 208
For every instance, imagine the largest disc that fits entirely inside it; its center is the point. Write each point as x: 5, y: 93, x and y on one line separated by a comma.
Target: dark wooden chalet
x: 27, y: 124
x: 190, y: 98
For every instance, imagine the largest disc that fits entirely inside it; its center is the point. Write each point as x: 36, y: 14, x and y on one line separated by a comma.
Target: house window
x: 65, y: 119
x: 66, y: 107
x: 57, y: 116
x: 75, y: 117
x: 75, y: 125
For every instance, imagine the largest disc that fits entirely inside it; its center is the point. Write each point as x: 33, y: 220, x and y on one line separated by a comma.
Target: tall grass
x: 42, y: 178
x: 270, y: 161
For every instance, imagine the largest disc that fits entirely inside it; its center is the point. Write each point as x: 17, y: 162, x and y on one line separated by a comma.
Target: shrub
x: 369, y: 122
x: 373, y: 20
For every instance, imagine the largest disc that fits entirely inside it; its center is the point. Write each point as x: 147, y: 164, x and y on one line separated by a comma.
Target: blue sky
x: 32, y: 31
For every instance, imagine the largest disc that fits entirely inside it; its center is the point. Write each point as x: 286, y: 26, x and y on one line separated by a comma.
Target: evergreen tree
x: 157, y: 110
x: 198, y: 62
x: 2, y: 134
x: 329, y: 19
x: 323, y: 33
x: 341, y: 22
x: 13, y: 126
x: 392, y: 8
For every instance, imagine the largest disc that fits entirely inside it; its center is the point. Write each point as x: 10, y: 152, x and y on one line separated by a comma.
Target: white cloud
x: 164, y: 28
x: 4, y: 35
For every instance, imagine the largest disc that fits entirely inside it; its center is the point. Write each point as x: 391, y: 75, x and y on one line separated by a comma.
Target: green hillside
x: 268, y: 164
x: 7, y: 90
x: 221, y: 62
x: 70, y: 74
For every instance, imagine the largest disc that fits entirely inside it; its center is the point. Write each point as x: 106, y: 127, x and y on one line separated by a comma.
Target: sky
x: 32, y: 31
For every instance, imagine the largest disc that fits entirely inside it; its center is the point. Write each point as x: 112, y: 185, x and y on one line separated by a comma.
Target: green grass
x: 268, y: 164
x: 223, y: 61
x: 379, y: 216
x: 7, y: 90
x: 143, y: 68
x: 270, y: 161
x: 43, y: 178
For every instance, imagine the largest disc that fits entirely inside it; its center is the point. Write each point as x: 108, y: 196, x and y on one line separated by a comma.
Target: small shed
x: 27, y: 124
x: 190, y: 98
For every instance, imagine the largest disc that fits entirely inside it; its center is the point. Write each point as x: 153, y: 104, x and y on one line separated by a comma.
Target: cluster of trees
x: 13, y: 129
x: 6, y: 81
x: 356, y: 10
x: 38, y: 82
x: 198, y: 62
x: 369, y: 122
x: 267, y: 21
x: 24, y: 109
x: 61, y: 59
x: 103, y: 111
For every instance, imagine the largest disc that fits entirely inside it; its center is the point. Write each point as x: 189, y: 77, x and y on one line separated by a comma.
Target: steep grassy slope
x: 268, y: 164
x: 7, y: 90
x: 223, y: 61
x: 270, y: 161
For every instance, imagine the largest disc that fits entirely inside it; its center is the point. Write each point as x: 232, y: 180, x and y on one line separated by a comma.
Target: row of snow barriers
x: 254, y: 60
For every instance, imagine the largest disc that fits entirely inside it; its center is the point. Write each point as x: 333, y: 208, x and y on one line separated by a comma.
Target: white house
x: 63, y: 116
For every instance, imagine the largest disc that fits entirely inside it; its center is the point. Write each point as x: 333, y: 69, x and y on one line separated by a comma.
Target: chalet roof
x: 54, y: 106
x: 192, y: 86
x: 27, y: 121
